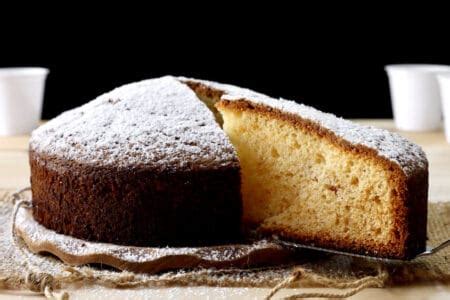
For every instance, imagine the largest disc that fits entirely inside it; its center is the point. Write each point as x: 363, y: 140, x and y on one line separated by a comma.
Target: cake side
x: 403, y: 162
x: 136, y: 206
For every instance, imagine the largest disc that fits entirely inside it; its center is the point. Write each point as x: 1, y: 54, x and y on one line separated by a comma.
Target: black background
x: 333, y: 66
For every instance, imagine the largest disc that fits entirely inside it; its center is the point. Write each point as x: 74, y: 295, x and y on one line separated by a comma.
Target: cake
x: 145, y: 164
x: 166, y: 161
x: 313, y: 178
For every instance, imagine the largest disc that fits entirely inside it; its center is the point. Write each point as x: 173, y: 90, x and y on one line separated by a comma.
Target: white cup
x: 415, y: 96
x: 21, y: 97
x: 444, y: 84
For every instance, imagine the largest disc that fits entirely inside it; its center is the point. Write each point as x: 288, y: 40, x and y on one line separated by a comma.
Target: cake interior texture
x: 297, y: 183
x: 301, y: 183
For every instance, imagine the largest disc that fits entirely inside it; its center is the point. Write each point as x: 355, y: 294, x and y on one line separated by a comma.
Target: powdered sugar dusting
x: 157, y: 122
x: 409, y: 156
x: 160, y: 122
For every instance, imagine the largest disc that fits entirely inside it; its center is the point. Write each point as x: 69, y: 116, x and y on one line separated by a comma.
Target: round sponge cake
x: 149, y: 164
x: 145, y: 164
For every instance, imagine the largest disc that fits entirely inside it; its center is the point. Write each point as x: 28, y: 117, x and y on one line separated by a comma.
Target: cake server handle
x: 433, y: 250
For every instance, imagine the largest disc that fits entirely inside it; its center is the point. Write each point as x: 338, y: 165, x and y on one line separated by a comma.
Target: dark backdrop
x: 326, y: 68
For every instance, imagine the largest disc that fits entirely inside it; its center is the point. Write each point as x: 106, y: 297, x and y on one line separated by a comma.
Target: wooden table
x: 14, y: 173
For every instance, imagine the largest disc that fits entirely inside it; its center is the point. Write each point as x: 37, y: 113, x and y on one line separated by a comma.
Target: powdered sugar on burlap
x: 392, y: 146
x: 159, y: 123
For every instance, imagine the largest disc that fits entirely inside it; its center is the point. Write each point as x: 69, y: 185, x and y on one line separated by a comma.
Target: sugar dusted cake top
x: 158, y: 122
x: 161, y: 122
x: 409, y: 156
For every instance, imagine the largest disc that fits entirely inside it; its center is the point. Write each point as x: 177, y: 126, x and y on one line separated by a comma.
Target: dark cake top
x: 156, y: 123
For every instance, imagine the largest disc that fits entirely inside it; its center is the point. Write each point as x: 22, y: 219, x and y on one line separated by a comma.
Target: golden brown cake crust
x: 410, y: 204
x: 136, y: 206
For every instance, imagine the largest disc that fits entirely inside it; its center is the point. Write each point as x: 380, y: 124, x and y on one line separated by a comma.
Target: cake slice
x: 313, y: 178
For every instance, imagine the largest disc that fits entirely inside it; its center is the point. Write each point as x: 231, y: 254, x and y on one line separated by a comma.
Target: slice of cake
x: 145, y: 164
x: 313, y: 178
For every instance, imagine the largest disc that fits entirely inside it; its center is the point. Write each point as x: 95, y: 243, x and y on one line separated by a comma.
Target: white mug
x: 21, y: 97
x: 444, y: 84
x: 415, y: 96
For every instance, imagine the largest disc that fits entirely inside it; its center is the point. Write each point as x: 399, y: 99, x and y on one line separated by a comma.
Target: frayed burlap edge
x: 21, y: 269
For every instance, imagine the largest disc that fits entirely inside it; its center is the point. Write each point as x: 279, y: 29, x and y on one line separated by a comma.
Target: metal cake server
x: 428, y: 251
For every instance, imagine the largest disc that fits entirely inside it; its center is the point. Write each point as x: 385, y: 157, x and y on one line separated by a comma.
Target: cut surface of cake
x: 145, y: 164
x: 313, y: 178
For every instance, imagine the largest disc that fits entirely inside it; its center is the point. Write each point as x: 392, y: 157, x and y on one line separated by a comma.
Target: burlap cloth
x: 45, y: 273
